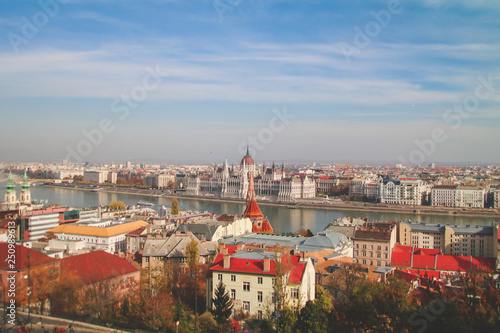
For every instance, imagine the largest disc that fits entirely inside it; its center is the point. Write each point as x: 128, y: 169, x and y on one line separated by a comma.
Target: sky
x: 181, y: 81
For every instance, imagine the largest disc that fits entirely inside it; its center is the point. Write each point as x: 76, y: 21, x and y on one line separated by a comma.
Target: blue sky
x: 227, y: 67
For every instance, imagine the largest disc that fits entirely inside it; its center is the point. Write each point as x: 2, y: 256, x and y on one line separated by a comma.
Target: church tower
x: 25, y: 190
x: 10, y: 191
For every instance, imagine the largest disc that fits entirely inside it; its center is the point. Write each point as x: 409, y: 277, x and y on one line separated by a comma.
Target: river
x: 282, y: 218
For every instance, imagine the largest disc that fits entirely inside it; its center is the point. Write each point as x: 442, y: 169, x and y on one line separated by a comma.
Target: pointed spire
x: 25, y: 185
x: 274, y: 168
x: 248, y: 151
x: 251, y: 189
x: 10, y: 186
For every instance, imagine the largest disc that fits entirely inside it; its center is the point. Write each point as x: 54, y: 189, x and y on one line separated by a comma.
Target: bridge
x: 20, y: 180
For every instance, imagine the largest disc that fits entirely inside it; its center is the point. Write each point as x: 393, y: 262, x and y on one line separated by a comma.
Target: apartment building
x: 110, y: 238
x: 457, y: 196
x: 401, y: 191
x: 373, y: 243
x: 476, y: 241
x: 250, y: 276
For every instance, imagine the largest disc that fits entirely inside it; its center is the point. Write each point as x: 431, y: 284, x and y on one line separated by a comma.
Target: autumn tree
x: 65, y: 296
x: 175, y: 207
x: 280, y: 280
x: 222, y: 305
x: 192, y: 255
x: 116, y: 205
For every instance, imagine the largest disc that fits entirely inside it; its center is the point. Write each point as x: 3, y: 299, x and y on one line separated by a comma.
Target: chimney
x: 221, y: 247
x: 302, y: 256
x: 227, y: 260
x: 267, y: 264
x: 239, y: 247
x: 224, y: 250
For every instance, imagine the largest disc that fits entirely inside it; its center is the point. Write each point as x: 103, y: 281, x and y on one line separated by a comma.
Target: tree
x: 280, y: 284
x: 222, y: 305
x: 180, y: 315
x: 313, y: 318
x: 192, y: 254
x: 288, y: 320
x: 175, y: 207
x: 207, y: 323
x: 116, y: 205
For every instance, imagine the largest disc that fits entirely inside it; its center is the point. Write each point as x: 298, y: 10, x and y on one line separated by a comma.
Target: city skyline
x: 379, y: 82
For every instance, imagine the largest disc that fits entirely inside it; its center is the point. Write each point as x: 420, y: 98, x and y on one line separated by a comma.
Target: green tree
x: 313, y: 318
x: 288, y: 320
x: 192, y: 254
x: 180, y: 315
x: 175, y: 207
x: 222, y: 305
x: 207, y: 323
x: 116, y: 205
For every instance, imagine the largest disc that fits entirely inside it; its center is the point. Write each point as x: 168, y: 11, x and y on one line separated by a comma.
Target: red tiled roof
x: 250, y: 266
x: 430, y: 259
x: 424, y: 262
x: 427, y: 252
x: 402, y: 249
x: 137, y: 232
x: 96, y: 266
x: 266, y: 227
x: 406, y: 275
x: 401, y: 259
x: 425, y: 273
x: 21, y: 261
x: 253, y: 209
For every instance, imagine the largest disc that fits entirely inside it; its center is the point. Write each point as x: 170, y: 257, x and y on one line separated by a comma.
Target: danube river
x: 282, y: 218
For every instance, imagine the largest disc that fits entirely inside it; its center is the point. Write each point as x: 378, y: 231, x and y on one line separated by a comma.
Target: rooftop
x: 110, y: 231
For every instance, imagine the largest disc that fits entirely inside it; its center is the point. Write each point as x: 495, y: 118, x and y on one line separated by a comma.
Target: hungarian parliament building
x: 270, y: 183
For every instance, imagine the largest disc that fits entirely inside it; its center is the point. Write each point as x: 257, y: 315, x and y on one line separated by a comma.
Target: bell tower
x: 25, y: 190
x: 10, y: 191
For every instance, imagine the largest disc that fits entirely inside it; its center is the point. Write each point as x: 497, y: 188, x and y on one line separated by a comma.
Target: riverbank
x: 316, y: 203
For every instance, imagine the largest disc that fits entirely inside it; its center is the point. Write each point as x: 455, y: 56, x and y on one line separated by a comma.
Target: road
x: 48, y: 324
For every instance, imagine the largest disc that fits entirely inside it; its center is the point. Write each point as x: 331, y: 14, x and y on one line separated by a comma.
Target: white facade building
x: 457, y: 196
x: 402, y: 191
x: 496, y: 198
x: 250, y: 276
x: 271, y: 183
x: 110, y: 238
x: 95, y: 176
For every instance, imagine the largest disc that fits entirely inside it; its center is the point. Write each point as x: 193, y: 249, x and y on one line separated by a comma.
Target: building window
x: 274, y: 281
x: 246, y: 286
x: 246, y: 306
x: 295, y: 293
x: 259, y: 296
x: 259, y: 280
x: 233, y: 293
x: 259, y: 315
x: 219, y: 277
x: 233, y: 278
